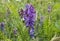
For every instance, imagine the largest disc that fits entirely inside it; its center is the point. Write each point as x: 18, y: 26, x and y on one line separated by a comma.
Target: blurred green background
x: 9, y: 15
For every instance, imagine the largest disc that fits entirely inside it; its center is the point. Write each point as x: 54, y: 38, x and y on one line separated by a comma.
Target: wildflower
x: 49, y: 8
x: 29, y: 18
x: 31, y: 32
x: 2, y: 25
x: 41, y: 20
x: 15, y: 30
x: 21, y: 13
x: 28, y: 15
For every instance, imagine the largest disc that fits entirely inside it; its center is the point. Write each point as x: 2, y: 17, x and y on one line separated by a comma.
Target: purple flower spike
x: 41, y: 20
x: 2, y: 26
x: 49, y: 8
x: 14, y: 30
x: 31, y: 32
x: 29, y: 18
x: 28, y: 14
x: 21, y: 13
x: 27, y: 5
